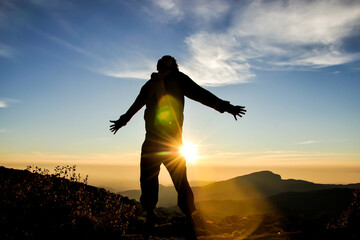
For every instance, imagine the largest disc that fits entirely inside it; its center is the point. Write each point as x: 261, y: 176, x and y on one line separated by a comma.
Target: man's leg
x: 149, y: 171
x: 149, y: 184
x: 177, y: 170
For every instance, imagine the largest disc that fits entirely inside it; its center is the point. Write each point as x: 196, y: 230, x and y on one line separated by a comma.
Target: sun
x: 190, y: 152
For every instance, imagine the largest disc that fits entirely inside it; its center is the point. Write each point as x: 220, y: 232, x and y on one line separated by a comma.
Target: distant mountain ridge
x: 251, y: 186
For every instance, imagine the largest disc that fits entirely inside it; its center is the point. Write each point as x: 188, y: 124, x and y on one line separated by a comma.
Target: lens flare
x: 190, y: 152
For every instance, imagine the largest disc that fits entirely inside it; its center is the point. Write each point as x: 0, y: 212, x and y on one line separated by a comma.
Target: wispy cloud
x: 6, y: 51
x: 131, y: 68
x: 92, y: 60
x: 311, y: 141
x: 276, y: 34
x: 5, y: 102
x: 307, y: 142
x: 213, y: 60
x: 279, y: 34
x: 170, y: 7
x: 59, y: 158
x: 279, y: 157
x: 200, y: 12
x: 135, y: 66
x: 7, y: 9
x: 66, y: 44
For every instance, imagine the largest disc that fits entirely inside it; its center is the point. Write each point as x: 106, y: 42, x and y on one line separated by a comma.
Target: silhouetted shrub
x: 35, y: 204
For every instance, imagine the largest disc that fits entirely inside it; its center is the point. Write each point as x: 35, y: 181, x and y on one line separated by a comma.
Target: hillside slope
x: 252, y: 186
x: 38, y: 205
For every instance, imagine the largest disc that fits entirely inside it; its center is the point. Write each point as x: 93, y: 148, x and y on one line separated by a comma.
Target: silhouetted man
x: 163, y: 96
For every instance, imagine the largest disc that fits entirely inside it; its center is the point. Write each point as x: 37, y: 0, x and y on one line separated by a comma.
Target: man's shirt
x: 163, y: 96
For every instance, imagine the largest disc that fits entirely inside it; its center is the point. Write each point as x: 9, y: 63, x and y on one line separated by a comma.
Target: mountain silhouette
x: 251, y: 186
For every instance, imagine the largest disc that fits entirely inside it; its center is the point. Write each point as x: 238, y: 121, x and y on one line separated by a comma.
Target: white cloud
x: 199, y: 12
x: 171, y: 8
x: 309, y: 32
x: 4, y: 103
x: 299, y: 22
x: 214, y: 62
x: 273, y: 35
x: 322, y: 59
x: 209, y: 10
x: 122, y: 73
x: 140, y: 67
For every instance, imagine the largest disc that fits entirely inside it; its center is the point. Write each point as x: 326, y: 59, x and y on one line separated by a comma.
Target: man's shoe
x: 151, y: 218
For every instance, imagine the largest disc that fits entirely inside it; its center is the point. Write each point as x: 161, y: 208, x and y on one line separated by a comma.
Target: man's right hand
x: 236, y: 111
x: 117, y: 124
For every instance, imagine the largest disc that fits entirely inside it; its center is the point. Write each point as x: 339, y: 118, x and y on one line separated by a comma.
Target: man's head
x: 167, y: 63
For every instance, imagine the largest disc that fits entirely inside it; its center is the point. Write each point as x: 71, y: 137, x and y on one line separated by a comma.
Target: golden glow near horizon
x: 190, y: 152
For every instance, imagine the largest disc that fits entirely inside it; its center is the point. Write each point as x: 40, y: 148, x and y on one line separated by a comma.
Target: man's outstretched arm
x: 125, y: 118
x: 197, y: 93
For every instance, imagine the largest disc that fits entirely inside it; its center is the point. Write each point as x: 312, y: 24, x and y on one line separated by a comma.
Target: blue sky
x: 67, y: 67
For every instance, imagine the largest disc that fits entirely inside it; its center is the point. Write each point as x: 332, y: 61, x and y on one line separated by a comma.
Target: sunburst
x: 190, y: 152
